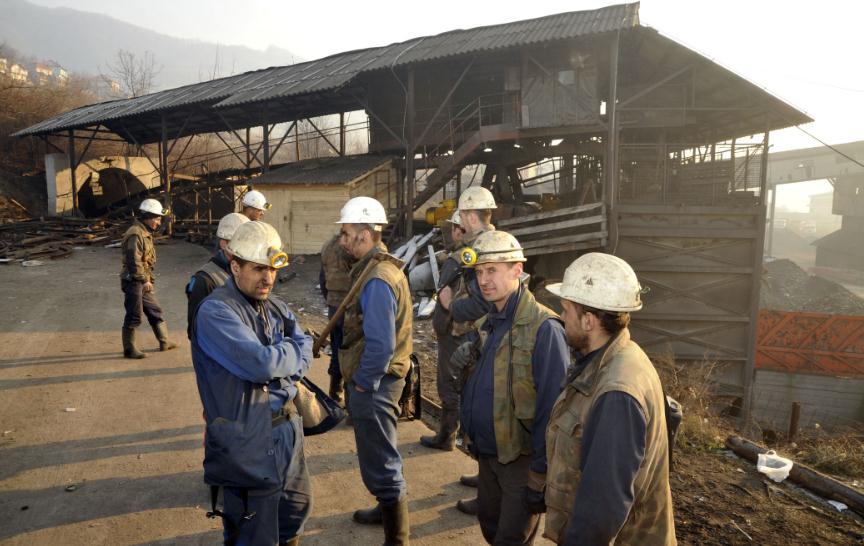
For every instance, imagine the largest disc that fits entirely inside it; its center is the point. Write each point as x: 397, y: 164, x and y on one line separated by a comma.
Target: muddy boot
x: 468, y: 506
x: 293, y: 542
x: 468, y: 480
x: 129, y: 349
x: 396, y: 526
x: 445, y: 439
x: 369, y: 516
x: 336, y: 389
x: 161, y: 331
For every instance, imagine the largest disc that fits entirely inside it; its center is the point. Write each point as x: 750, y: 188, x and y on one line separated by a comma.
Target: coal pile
x: 787, y: 287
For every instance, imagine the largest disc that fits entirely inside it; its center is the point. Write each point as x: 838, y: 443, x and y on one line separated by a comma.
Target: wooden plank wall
x: 832, y: 402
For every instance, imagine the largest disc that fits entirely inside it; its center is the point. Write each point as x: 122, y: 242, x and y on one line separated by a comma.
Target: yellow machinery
x: 435, y: 215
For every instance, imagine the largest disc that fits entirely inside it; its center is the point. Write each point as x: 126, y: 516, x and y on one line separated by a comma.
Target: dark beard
x: 579, y: 343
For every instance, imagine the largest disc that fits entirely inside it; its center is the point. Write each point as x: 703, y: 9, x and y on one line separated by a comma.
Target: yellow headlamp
x: 468, y: 256
x: 267, y: 206
x: 278, y: 259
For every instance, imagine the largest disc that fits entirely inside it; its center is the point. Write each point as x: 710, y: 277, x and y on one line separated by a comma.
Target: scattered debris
x: 71, y: 488
x: 36, y: 240
x: 838, y: 505
x: 70, y: 410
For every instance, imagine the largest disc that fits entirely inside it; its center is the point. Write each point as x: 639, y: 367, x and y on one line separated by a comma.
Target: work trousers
x: 445, y: 378
x: 137, y: 303
x: 335, y: 343
x: 375, y: 415
x: 503, y: 519
x: 280, y: 514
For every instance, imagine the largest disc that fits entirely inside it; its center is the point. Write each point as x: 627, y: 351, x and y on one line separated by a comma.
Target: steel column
x: 409, y: 157
x: 611, y: 160
x: 73, y: 165
x: 164, y: 175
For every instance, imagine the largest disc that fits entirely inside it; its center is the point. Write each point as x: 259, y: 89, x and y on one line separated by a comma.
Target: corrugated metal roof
x: 330, y: 170
x: 338, y: 70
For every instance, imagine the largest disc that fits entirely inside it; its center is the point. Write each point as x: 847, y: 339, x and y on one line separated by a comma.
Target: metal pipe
x: 611, y: 163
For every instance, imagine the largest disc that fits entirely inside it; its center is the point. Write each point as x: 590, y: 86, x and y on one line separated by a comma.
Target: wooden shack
x: 308, y: 195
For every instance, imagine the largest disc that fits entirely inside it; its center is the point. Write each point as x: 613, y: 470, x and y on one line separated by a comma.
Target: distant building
x: 41, y: 74
x: 18, y: 73
x: 4, y: 66
x: 60, y: 75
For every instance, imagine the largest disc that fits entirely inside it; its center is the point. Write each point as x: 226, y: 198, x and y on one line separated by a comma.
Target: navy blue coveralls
x: 376, y: 411
x: 241, y: 345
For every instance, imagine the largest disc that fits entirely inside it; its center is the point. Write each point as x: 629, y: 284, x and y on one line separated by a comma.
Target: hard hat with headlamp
x: 256, y: 200
x: 258, y: 243
x: 601, y: 281
x: 492, y: 246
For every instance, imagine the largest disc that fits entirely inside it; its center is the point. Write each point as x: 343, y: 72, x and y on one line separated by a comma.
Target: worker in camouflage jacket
x: 516, y: 362
x: 137, y: 279
x: 335, y: 281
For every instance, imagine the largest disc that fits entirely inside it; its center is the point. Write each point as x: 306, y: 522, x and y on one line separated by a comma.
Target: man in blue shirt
x: 248, y: 351
x: 215, y: 272
x: 374, y: 358
x: 509, y: 393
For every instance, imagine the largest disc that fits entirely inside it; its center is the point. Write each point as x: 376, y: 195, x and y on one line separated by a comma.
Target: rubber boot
x: 129, y: 349
x: 396, y: 526
x: 336, y: 389
x: 468, y: 480
x: 369, y: 516
x: 445, y: 439
x: 160, y: 329
x: 468, y: 506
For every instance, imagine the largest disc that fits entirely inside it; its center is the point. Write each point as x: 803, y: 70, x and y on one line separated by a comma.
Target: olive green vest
x: 146, y: 261
x: 353, y: 341
x: 623, y: 367
x: 458, y: 329
x: 218, y: 275
x: 337, y: 268
x: 514, y: 396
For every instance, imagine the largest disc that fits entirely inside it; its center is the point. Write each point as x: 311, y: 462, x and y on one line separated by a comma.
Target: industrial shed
x: 652, y: 151
x: 308, y: 195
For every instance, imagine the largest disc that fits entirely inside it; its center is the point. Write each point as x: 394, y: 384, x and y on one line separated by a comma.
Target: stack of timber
x: 55, y: 238
x: 563, y: 230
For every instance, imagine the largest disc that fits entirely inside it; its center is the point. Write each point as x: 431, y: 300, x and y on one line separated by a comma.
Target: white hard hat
x: 495, y: 246
x: 229, y: 224
x: 456, y: 219
x: 256, y: 200
x: 601, y: 281
x: 476, y: 198
x: 363, y: 210
x: 153, y: 207
x: 259, y: 243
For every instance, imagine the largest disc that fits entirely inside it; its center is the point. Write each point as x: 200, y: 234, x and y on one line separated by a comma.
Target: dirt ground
x: 127, y: 435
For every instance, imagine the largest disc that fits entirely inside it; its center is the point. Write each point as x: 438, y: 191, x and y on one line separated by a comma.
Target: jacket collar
x: 587, y: 380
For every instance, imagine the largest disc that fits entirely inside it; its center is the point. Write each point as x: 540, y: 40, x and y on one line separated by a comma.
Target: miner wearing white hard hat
x: 449, y: 276
x: 137, y: 279
x: 462, y: 300
x: 248, y: 352
x: 608, y: 477
x: 375, y: 358
x: 254, y: 204
x: 334, y: 280
x: 216, y: 271
x: 515, y: 363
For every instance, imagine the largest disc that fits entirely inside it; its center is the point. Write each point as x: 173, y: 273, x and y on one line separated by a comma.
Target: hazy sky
x: 808, y: 54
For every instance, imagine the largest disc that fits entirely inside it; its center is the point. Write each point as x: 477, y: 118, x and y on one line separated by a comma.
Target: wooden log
x: 804, y: 476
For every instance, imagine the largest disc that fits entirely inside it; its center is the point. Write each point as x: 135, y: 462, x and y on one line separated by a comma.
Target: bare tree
x: 135, y: 74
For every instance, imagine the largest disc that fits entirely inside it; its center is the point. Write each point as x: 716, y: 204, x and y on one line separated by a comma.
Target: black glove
x: 465, y: 355
x: 534, y: 501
